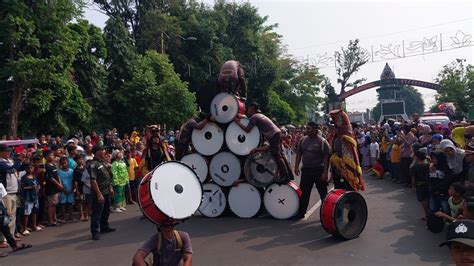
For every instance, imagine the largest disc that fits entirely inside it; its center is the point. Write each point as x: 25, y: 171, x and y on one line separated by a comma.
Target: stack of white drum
x: 223, y: 156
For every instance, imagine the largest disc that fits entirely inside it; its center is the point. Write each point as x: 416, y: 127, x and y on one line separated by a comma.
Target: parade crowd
x: 85, y: 177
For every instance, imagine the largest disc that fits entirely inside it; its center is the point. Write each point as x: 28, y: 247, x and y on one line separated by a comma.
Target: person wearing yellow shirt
x: 132, y: 178
x: 395, y: 159
x: 134, y: 138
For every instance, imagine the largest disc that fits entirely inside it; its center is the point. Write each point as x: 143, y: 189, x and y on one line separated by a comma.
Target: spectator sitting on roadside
x: 460, y: 240
x: 455, y: 201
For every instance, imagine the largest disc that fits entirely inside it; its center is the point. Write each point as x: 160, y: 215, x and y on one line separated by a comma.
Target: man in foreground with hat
x: 460, y: 240
x: 101, y: 192
x: 167, y: 247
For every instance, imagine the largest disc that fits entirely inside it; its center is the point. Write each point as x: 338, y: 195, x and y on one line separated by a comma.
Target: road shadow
x: 417, y: 241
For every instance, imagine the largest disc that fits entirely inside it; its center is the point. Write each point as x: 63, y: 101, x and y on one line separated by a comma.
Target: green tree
x: 36, y: 56
x: 155, y: 94
x: 413, y: 100
x: 348, y: 62
x: 280, y: 110
x: 457, y: 86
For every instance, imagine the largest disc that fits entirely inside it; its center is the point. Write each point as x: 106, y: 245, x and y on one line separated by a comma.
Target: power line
x: 382, y: 35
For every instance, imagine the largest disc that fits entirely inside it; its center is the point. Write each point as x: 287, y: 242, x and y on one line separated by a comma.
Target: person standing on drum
x: 184, y: 138
x: 315, y: 151
x: 167, y: 247
x: 101, y: 183
x: 273, y: 135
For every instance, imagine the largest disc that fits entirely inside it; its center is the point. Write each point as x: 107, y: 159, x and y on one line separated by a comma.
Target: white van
x: 435, y: 119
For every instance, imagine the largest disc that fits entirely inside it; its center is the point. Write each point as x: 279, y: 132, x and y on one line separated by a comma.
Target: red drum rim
x: 331, y: 220
x: 157, y: 215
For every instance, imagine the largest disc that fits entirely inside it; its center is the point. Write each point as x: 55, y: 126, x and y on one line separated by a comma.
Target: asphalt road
x: 394, y: 235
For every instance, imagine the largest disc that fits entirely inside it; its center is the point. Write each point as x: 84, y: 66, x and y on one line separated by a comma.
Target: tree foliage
x: 348, y: 62
x: 457, y: 86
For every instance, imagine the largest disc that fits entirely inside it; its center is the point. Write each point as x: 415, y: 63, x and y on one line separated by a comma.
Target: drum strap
x: 179, y: 242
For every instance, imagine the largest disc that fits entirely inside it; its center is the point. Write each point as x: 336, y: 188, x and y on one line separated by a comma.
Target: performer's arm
x: 326, y: 153
x: 202, y: 124
x: 187, y: 259
x: 139, y: 258
x: 247, y: 128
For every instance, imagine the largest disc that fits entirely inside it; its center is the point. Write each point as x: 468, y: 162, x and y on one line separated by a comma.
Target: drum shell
x: 265, y: 171
x: 213, y: 146
x: 145, y: 198
x: 205, y: 159
x: 329, y: 208
x: 225, y: 192
x: 288, y: 209
x: 149, y: 209
x: 234, y: 199
x: 225, y: 106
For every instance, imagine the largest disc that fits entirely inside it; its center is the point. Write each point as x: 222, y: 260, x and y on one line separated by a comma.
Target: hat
x: 460, y: 231
x: 97, y: 148
x: 4, y: 147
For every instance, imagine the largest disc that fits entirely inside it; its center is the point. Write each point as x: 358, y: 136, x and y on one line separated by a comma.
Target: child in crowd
x: 438, y: 181
x: 66, y: 198
x: 78, y: 187
x: 52, y: 187
x: 419, y: 180
x: 374, y: 151
x: 119, y: 181
x: 455, y: 201
x: 30, y: 187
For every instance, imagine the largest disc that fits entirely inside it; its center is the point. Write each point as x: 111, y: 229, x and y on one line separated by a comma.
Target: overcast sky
x: 310, y: 29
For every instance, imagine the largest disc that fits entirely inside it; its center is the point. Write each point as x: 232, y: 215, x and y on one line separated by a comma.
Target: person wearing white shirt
x: 374, y: 151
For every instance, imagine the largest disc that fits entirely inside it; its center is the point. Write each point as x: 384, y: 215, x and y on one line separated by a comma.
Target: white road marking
x: 314, y: 208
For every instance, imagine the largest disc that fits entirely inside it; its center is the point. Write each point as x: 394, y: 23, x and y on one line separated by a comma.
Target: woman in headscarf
x: 456, y: 161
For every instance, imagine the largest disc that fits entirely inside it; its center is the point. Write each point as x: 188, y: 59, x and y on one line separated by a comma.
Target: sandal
x: 3, y: 255
x: 38, y: 228
x: 23, y: 246
x: 4, y: 245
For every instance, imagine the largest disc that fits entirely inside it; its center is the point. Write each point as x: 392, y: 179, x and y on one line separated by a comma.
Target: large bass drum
x: 209, y: 140
x: 225, y: 106
x: 261, y: 169
x: 214, y: 201
x: 171, y: 191
x: 198, y: 163
x: 239, y: 141
x: 225, y: 169
x: 344, y: 213
x: 282, y: 200
x: 245, y: 200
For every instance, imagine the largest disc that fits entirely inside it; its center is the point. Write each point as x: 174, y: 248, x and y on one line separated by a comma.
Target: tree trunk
x: 15, y: 108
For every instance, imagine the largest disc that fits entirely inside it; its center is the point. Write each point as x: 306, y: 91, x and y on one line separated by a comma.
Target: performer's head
x: 460, y: 240
x: 253, y: 108
x: 312, y: 129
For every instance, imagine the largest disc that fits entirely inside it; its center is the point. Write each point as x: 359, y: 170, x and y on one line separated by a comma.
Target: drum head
x: 225, y: 169
x: 198, y: 164
x: 214, y: 201
x: 350, y: 215
x: 239, y: 141
x: 208, y: 140
x: 261, y: 169
x: 224, y: 107
x: 244, y: 200
x: 175, y: 190
x: 281, y: 201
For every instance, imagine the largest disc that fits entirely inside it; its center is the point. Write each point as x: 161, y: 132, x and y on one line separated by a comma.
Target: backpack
x: 179, y: 243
